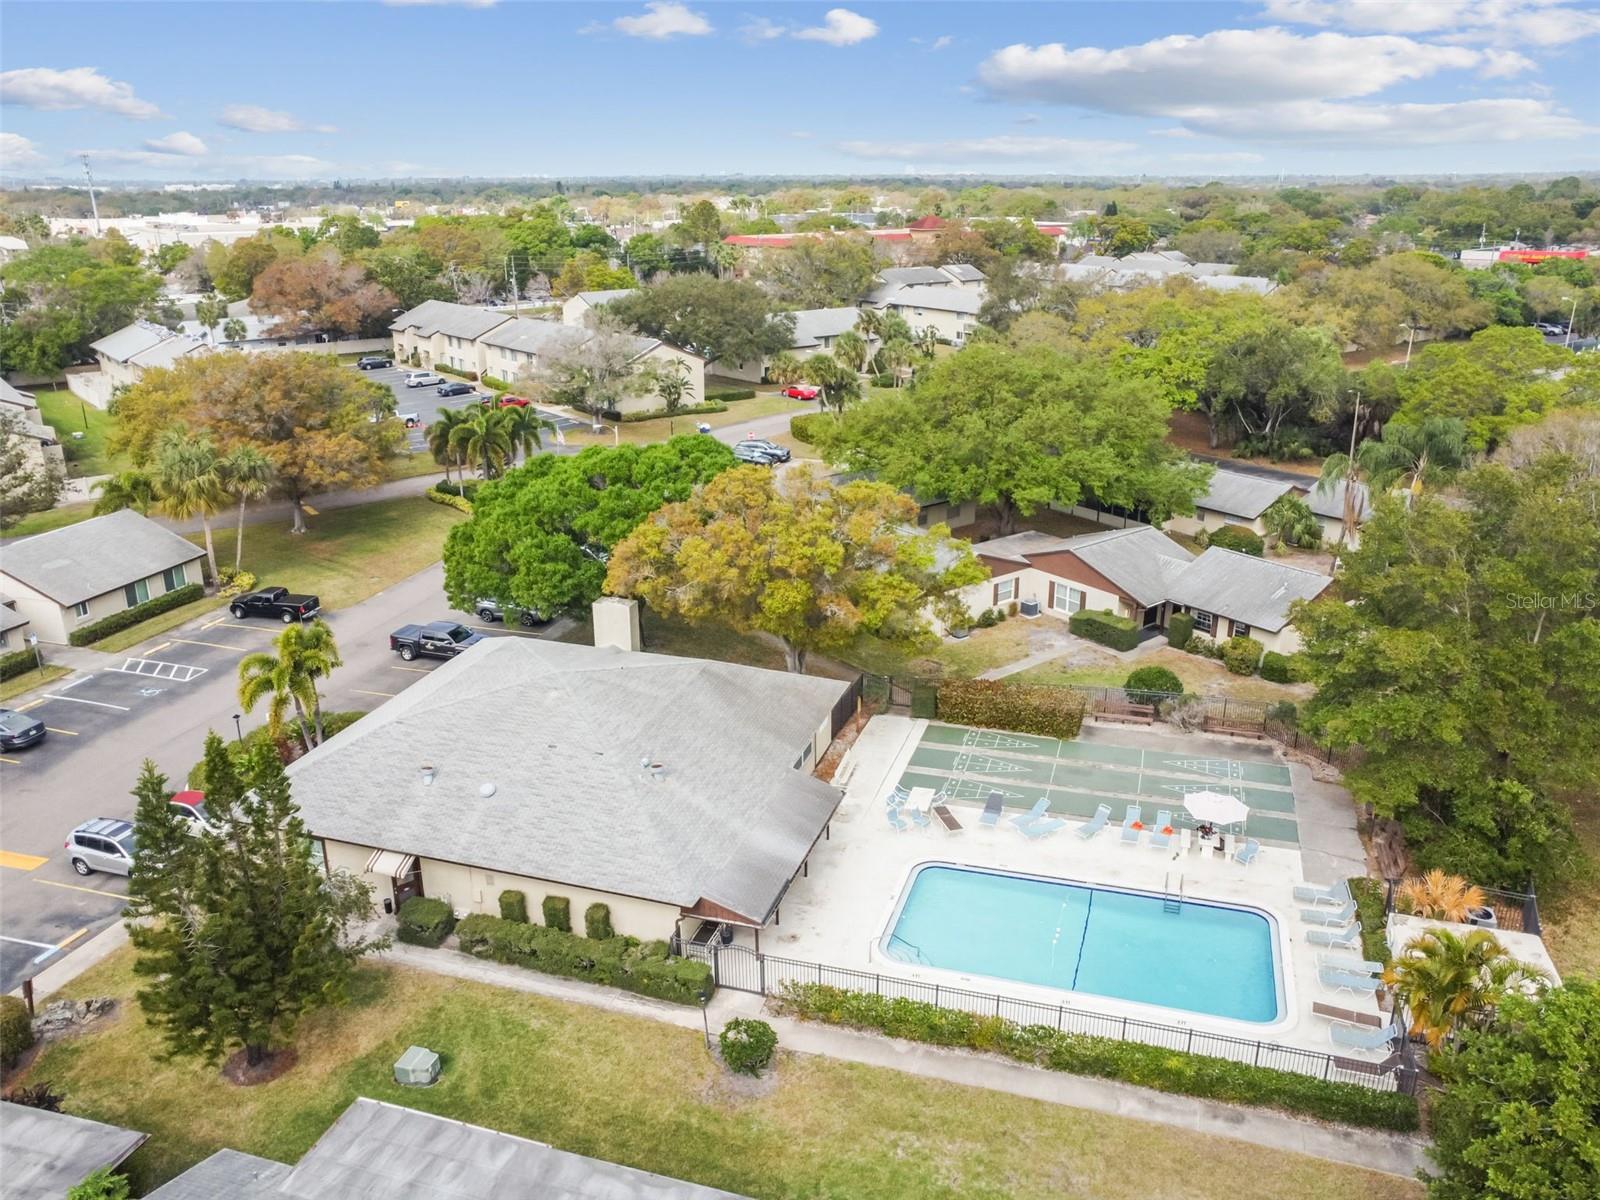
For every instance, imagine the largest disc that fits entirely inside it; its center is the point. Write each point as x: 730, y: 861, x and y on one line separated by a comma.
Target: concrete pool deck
x: 837, y: 912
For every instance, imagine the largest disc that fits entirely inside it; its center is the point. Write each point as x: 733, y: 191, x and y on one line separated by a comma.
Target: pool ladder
x: 1171, y: 900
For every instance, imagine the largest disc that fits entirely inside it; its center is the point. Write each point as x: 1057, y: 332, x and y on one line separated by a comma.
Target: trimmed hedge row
x: 621, y: 962
x: 806, y: 426
x: 728, y: 395
x: 1019, y: 707
x: 661, y: 414
x: 513, y: 906
x: 456, y: 371
x: 1368, y: 895
x: 1105, y: 627
x: 494, y: 383
x: 16, y: 1030
x: 1180, y: 628
x: 597, y: 922
x: 1132, y: 1062
x: 89, y: 634
x: 448, y: 499
x: 19, y: 662
x: 424, y: 921
x: 558, y: 913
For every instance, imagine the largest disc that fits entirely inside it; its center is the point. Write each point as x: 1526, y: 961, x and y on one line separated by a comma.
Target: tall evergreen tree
x: 238, y: 931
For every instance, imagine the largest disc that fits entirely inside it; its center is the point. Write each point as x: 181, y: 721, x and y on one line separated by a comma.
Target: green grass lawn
x: 765, y: 404
x: 67, y: 414
x: 51, y: 518
x: 968, y: 657
x: 1571, y: 921
x: 1201, y: 676
x: 409, y: 466
x: 13, y: 688
x: 159, y: 623
x: 638, y: 1092
x: 346, y: 554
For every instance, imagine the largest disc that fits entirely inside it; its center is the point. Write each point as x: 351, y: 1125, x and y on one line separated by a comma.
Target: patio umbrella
x: 1215, y: 808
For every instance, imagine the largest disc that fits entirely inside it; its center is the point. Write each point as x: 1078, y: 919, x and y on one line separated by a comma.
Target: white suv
x: 102, y: 845
x: 416, y: 379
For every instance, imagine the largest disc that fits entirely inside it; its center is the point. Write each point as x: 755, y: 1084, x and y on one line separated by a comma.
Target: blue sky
x: 322, y: 90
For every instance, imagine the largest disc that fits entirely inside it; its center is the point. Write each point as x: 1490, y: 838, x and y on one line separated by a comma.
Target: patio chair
x: 1340, y: 962
x: 1095, y: 823
x: 919, y: 819
x: 1353, y: 1037
x: 1347, y: 981
x: 896, y: 821
x: 898, y: 797
x: 1160, y: 840
x: 1321, y: 916
x: 991, y: 810
x: 1336, y: 895
x: 1130, y: 835
x: 1033, y: 814
x: 947, y: 818
x: 1248, y: 853
x: 1336, y: 939
x: 1043, y: 827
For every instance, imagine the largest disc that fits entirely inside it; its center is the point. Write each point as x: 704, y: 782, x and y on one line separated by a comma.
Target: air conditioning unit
x: 417, y: 1067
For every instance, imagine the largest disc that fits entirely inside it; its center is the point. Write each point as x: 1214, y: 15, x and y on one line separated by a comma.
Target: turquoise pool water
x: 1205, y: 958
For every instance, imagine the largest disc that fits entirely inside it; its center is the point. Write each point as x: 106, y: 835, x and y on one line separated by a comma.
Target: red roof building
x: 927, y: 224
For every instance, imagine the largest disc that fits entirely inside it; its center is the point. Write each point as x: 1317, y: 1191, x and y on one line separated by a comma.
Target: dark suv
x: 755, y: 452
x: 455, y: 389
x: 373, y: 361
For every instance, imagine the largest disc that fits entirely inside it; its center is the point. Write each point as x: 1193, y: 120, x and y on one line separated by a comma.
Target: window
x: 80, y: 609
x: 1240, y: 629
x: 137, y: 593
x: 1202, y: 621
x: 1005, y: 590
x: 1067, y: 599
x: 172, y: 578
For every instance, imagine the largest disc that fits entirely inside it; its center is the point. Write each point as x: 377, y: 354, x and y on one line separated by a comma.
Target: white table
x: 921, y: 799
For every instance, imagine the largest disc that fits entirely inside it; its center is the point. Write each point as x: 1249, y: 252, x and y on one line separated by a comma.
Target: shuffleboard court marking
x: 1217, y: 768
x: 984, y: 764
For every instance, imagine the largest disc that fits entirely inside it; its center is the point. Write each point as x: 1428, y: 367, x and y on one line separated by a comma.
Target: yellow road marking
x: 213, y: 624
x: 71, y: 937
x: 66, y: 732
x: 157, y: 649
x: 213, y: 645
x: 78, y: 887
x: 413, y: 670
x: 31, y: 704
x: 364, y: 692
x: 21, y: 862
x: 13, y: 761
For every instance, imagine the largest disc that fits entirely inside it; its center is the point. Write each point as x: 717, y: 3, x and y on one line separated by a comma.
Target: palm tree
x: 442, y: 438
x: 523, y: 425
x: 895, y: 355
x: 927, y: 340
x: 723, y: 257
x: 838, y: 383
x: 784, y: 368
x: 1415, y: 454
x: 671, y: 383
x: 1446, y: 980
x: 1341, y: 470
x: 483, y: 438
x: 189, y: 479
x: 1440, y: 896
x: 852, y: 350
x: 869, y: 324
x: 233, y: 330
x: 126, y: 489
x: 247, y: 475
x: 1291, y: 521
x: 211, y: 311
x: 289, y: 677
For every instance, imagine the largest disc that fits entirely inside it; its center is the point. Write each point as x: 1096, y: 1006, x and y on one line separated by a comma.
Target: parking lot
x: 157, y: 700
x: 426, y: 402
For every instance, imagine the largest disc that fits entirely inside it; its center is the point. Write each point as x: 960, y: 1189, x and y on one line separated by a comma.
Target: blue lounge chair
x: 896, y: 821
x: 1043, y: 827
x: 1310, y: 893
x: 1159, y: 840
x: 1096, y: 823
x: 1033, y: 814
x: 1336, y: 939
x: 1130, y: 835
x: 1248, y: 853
x: 991, y: 810
x: 1341, y: 963
x: 1320, y: 916
x: 919, y: 819
x: 1347, y: 981
x: 897, y: 798
x: 1354, y: 1037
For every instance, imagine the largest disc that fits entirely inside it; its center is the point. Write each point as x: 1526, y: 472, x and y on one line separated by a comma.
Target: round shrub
x: 1237, y: 537
x: 1151, y: 685
x: 16, y: 1030
x: 1276, y: 668
x: 747, y: 1045
x: 1240, y: 655
x: 424, y: 921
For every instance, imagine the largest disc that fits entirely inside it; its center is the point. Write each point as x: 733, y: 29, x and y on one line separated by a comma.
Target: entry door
x: 409, y: 886
x: 1152, y: 617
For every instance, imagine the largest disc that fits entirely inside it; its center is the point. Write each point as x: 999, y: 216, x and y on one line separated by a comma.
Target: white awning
x: 391, y: 864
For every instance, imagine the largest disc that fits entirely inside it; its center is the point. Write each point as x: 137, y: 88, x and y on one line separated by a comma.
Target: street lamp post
x: 238, y: 733
x: 1572, y: 319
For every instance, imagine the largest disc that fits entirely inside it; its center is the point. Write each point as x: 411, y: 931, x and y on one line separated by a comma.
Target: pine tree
x: 238, y: 931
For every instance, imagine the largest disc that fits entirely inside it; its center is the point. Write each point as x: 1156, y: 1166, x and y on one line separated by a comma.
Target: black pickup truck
x: 275, y: 602
x: 436, y: 639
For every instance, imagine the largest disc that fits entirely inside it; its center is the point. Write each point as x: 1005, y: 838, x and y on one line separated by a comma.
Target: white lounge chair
x: 1318, y: 916
x: 1354, y: 1037
x: 1248, y: 853
x: 1095, y: 823
x: 1348, y: 938
x: 1335, y: 896
x: 1158, y: 839
x: 1347, y: 981
x: 1130, y: 835
x: 1341, y: 963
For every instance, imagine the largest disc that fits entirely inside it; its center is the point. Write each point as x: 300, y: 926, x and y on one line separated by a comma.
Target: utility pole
x: 93, y: 206
x: 516, y: 294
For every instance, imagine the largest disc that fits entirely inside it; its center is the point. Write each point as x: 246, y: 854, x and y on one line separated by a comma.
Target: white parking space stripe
x: 96, y: 703
x: 67, y: 687
x: 151, y: 668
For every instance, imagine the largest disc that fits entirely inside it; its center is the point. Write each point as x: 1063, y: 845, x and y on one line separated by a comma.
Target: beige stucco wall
x: 1333, y: 530
x: 1208, y: 519
x: 659, y: 357
x: 1034, y: 584
x: 53, y: 622
x: 474, y: 890
x: 953, y: 515
x: 950, y: 327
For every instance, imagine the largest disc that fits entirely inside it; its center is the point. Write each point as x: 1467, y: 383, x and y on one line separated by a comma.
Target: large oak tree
x: 720, y: 320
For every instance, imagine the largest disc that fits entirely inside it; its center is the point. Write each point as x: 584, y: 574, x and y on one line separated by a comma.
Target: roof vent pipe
x: 486, y: 790
x: 426, y: 772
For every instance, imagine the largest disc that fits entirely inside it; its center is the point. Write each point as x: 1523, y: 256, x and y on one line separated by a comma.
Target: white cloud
x: 1245, y: 67
x: 1002, y: 146
x: 17, y: 152
x: 1506, y: 120
x: 1502, y: 22
x: 1177, y: 131
x: 840, y: 27
x: 664, y: 19
x: 78, y: 87
x: 1026, y: 119
x: 135, y: 158
x: 939, y: 43
x: 252, y: 118
x: 178, y: 143
x: 760, y: 29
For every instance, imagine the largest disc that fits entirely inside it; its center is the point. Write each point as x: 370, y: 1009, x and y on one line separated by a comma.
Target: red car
x: 800, y: 391
x: 510, y: 401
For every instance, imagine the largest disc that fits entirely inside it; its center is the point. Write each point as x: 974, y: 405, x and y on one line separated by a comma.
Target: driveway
x: 157, y: 701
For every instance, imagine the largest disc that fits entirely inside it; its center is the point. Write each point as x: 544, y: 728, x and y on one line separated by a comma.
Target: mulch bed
x: 237, y: 1071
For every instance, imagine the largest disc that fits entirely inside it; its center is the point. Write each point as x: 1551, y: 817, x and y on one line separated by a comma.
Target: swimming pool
x: 1205, y: 958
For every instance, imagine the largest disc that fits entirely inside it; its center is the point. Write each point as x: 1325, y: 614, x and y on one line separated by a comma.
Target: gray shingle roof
x: 532, y: 336
x: 102, y: 554
x: 906, y: 276
x: 561, y: 730
x: 1329, y: 501
x: 47, y: 1153
x: 1246, y: 588
x: 595, y: 299
x: 811, y: 325
x: 452, y: 320
x: 1141, y: 560
x: 10, y: 618
x: 378, y: 1151
x: 954, y: 297
x: 1235, y: 494
x: 1016, y: 547
x: 964, y: 273
x: 10, y: 395
x: 131, y: 340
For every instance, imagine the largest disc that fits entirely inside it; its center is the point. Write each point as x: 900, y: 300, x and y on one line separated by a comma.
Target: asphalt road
x: 426, y: 403
x: 157, y: 701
